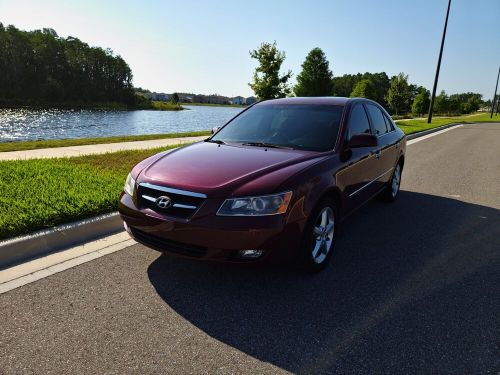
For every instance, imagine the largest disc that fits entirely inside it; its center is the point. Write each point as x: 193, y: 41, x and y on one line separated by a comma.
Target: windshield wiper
x: 263, y: 144
x: 218, y: 141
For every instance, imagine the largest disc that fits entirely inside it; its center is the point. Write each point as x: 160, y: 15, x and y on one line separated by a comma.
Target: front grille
x: 183, y: 204
x: 168, y: 245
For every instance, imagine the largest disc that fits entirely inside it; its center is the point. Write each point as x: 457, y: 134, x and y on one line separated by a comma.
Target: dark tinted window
x: 358, y: 122
x: 388, y: 123
x: 378, y: 121
x: 306, y: 127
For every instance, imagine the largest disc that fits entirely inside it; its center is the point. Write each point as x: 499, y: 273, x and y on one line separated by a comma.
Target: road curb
x: 44, y: 242
x: 433, y: 130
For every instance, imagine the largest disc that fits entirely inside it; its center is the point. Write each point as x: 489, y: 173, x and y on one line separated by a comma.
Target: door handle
x: 377, y: 154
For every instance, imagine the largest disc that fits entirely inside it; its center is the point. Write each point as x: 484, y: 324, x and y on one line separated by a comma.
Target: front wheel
x: 319, y: 237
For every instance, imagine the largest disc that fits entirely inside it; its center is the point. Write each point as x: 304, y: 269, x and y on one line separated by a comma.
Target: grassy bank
x: 216, y: 105
x: 59, y: 199
x: 166, y: 106
x: 32, y: 145
x: 417, y: 125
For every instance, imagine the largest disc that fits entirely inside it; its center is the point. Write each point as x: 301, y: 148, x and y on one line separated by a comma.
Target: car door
x: 361, y: 164
x: 386, y: 152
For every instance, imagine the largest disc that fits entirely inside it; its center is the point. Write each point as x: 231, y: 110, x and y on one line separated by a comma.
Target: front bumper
x: 211, y: 237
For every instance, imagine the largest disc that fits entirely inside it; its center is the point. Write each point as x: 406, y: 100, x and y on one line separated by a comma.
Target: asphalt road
x: 414, y: 287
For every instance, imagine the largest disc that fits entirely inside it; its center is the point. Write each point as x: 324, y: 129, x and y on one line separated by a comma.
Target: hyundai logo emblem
x: 163, y: 202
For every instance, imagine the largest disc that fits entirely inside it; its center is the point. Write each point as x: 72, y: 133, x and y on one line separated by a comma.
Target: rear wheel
x: 391, y: 191
x: 319, y: 237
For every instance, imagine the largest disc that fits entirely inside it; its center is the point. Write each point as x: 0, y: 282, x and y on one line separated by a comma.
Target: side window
x: 388, y: 123
x: 358, y: 122
x: 378, y: 121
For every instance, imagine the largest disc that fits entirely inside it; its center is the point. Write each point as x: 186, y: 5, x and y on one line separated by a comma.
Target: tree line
x: 316, y: 79
x: 39, y: 67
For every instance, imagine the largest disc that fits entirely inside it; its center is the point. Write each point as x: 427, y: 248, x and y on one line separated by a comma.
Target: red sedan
x: 271, y: 184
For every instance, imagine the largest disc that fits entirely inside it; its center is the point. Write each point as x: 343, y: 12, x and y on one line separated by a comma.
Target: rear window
x: 378, y: 122
x: 358, y: 122
x: 305, y: 127
x: 388, y: 123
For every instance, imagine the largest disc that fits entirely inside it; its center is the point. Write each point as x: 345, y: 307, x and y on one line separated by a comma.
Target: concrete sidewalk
x: 60, y: 152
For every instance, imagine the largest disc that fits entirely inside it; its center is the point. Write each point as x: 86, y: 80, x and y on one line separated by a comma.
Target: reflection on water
x: 27, y: 124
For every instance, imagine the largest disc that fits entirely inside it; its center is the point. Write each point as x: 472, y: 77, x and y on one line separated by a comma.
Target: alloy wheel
x: 396, y: 181
x: 323, y: 235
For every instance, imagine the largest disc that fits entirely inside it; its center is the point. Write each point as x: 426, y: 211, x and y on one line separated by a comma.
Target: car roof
x: 322, y: 100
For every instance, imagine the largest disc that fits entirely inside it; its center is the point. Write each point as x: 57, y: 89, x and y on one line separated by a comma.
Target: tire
x: 319, y: 240
x: 391, y: 191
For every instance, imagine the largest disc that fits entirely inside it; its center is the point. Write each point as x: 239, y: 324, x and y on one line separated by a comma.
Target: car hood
x: 217, y: 170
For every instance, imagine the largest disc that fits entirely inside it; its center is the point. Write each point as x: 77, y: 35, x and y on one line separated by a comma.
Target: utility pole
x: 495, y: 95
x: 429, y: 119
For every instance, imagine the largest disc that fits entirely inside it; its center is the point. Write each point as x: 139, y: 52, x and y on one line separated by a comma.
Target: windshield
x: 304, y: 127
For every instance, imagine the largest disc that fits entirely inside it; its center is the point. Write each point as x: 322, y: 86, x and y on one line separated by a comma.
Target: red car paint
x: 215, y: 172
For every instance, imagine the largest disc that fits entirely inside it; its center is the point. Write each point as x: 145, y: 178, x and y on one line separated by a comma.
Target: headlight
x: 256, y: 206
x: 129, y: 185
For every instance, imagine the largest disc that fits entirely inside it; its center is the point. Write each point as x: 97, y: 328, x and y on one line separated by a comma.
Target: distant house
x: 250, y: 100
x: 238, y: 100
x: 200, y: 99
x: 185, y: 98
x: 215, y: 99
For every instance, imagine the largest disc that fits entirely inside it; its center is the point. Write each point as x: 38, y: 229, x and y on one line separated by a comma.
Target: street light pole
x: 495, y: 95
x: 431, y: 106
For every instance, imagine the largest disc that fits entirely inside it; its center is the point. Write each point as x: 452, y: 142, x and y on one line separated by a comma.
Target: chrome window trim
x: 369, y: 183
x: 172, y: 190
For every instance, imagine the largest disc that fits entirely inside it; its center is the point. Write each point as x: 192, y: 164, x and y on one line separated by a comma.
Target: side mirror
x: 215, y: 129
x: 363, y: 140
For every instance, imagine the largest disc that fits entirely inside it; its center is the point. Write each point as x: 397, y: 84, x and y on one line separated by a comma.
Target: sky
x: 203, y: 46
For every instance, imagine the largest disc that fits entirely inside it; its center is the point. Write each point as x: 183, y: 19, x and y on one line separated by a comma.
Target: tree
x: 472, y: 105
x: 454, y: 105
x: 381, y: 84
x: 267, y: 83
x: 465, y: 102
x: 175, y: 98
x: 39, y: 67
x: 344, y: 85
x: 421, y: 102
x: 398, y: 96
x: 315, y: 79
x: 441, y: 103
x: 364, y: 89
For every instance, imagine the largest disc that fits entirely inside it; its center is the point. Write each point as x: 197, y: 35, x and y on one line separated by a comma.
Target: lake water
x: 27, y: 125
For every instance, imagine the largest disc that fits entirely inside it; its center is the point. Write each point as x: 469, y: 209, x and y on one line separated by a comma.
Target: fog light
x: 250, y: 253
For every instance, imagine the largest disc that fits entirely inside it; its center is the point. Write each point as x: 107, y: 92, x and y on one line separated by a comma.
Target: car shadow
x: 413, y: 285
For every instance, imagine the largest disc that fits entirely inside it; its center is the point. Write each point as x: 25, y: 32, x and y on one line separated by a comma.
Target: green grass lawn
x: 31, y: 145
x: 417, y: 125
x: 42, y: 193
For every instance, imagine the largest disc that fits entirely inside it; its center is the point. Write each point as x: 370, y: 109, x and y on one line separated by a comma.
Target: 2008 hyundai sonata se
x: 271, y: 184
